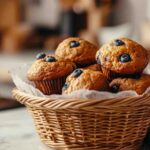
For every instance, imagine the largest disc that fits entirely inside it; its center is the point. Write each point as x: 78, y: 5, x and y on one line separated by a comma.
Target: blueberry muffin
x: 49, y: 74
x: 85, y: 79
x: 123, y: 84
x: 95, y: 67
x: 122, y: 57
x: 81, y: 52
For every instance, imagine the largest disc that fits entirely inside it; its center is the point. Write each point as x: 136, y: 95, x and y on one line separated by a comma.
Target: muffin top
x: 95, y: 67
x: 139, y: 85
x: 85, y: 79
x: 48, y: 67
x: 123, y: 56
x: 77, y: 50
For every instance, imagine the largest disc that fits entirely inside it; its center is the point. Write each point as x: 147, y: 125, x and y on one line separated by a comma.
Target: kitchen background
x: 28, y: 27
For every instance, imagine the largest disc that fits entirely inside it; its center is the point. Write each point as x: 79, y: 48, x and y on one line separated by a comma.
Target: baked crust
x: 89, y: 79
x: 138, y: 85
x: 42, y: 70
x: 109, y: 54
x: 83, y: 54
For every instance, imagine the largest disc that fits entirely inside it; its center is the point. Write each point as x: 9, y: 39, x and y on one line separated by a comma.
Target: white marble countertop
x: 17, y: 131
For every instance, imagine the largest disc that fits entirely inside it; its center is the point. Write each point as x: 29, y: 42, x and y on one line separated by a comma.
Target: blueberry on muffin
x: 123, y: 84
x: 85, y: 79
x: 122, y: 58
x: 80, y: 51
x: 49, y: 74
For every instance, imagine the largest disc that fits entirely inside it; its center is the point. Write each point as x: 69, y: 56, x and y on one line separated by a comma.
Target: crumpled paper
x: 19, y: 77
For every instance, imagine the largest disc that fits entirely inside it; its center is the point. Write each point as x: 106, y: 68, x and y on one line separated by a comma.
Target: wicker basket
x: 80, y: 124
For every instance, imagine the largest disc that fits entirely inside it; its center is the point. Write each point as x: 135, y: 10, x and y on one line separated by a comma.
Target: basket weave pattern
x: 118, y: 124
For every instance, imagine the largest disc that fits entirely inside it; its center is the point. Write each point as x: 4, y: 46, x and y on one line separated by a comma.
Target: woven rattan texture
x: 118, y: 124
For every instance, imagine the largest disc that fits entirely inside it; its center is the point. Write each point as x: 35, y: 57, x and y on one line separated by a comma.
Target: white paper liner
x: 19, y: 76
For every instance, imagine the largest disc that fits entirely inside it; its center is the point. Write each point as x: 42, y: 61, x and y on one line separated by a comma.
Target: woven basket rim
x: 47, y: 103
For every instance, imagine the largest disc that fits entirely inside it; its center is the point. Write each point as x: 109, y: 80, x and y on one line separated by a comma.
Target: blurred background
x: 28, y: 27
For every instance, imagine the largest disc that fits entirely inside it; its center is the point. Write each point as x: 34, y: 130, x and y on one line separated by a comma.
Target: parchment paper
x: 19, y: 76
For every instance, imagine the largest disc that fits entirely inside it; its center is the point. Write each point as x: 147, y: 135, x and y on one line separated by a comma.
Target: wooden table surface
x: 17, y: 131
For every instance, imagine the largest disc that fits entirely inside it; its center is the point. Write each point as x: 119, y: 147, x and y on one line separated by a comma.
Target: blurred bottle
x: 72, y: 20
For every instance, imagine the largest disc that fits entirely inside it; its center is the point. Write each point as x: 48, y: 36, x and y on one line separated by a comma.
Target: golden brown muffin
x: 81, y: 52
x: 44, y: 70
x: 95, y: 67
x: 122, y: 57
x: 85, y: 79
x: 124, y: 84
x: 49, y: 74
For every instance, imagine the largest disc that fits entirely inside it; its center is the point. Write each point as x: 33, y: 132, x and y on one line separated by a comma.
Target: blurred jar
x: 72, y: 20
